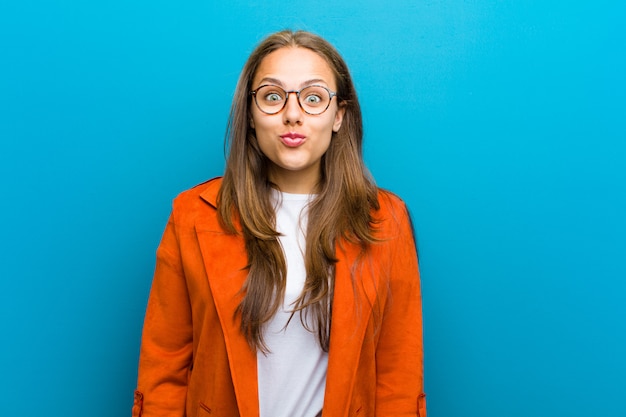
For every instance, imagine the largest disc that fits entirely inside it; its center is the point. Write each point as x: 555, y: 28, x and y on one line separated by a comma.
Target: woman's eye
x: 312, y: 99
x: 273, y: 97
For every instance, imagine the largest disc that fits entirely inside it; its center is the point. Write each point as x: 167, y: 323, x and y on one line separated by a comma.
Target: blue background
x: 502, y: 125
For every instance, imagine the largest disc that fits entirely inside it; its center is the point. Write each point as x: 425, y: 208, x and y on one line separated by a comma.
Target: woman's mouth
x: 292, y: 139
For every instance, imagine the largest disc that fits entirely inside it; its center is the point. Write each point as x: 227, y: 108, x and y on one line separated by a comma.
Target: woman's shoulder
x: 393, y: 215
x: 389, y: 201
x: 198, y: 202
x: 204, y: 192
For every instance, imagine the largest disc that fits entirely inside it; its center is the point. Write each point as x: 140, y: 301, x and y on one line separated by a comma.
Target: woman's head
x: 286, y: 53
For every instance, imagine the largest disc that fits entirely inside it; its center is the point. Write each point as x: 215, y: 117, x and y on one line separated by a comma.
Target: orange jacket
x: 195, y: 362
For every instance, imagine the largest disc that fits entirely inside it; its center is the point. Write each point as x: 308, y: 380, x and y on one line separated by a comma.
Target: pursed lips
x: 292, y: 139
x: 292, y: 135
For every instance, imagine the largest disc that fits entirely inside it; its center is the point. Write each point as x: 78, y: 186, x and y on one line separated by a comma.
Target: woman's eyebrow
x: 270, y: 80
x: 312, y: 81
x: 276, y: 81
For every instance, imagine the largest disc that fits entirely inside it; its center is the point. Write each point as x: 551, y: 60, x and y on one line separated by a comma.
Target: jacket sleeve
x: 166, y: 345
x: 400, y: 351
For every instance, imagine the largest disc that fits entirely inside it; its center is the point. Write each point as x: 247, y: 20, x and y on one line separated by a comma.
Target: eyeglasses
x: 313, y: 99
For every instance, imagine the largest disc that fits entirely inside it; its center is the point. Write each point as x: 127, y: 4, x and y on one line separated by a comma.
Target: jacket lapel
x: 224, y: 257
x: 352, y: 307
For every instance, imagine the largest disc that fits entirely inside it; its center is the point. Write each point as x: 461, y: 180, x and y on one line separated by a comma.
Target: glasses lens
x: 314, y: 99
x: 270, y: 99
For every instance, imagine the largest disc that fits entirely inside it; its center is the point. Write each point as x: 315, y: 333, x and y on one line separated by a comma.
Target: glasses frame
x: 297, y: 93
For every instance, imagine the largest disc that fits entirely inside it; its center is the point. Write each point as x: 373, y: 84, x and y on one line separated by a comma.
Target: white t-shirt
x: 292, y: 377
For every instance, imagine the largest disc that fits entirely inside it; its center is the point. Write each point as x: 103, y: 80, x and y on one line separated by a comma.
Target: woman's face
x: 293, y: 140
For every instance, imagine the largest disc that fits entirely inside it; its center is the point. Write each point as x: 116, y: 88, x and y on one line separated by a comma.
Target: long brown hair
x: 346, y: 196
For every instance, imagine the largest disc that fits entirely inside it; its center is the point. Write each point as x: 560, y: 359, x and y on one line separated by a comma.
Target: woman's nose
x: 293, y: 112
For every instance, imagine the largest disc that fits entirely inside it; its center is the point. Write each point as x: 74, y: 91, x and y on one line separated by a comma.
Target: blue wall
x: 502, y: 124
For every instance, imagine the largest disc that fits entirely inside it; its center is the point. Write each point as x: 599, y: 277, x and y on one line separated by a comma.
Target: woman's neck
x: 295, y: 182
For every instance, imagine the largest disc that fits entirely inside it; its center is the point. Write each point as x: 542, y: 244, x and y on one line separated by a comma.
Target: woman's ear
x: 251, y: 123
x: 341, y: 111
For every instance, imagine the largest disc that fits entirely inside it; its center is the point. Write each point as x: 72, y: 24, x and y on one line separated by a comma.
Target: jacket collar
x: 209, y: 194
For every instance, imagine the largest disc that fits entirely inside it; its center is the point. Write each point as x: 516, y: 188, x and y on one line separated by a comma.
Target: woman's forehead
x: 294, y: 67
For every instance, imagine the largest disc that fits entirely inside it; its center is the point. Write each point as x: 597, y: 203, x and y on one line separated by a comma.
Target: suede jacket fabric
x: 195, y: 362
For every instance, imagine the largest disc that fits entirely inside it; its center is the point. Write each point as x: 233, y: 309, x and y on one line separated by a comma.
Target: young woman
x: 289, y: 287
